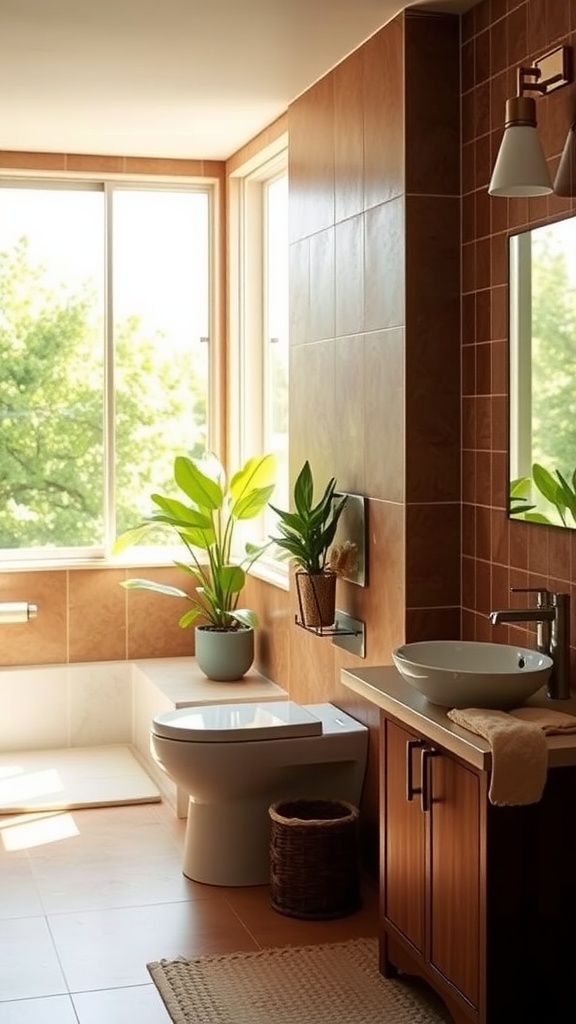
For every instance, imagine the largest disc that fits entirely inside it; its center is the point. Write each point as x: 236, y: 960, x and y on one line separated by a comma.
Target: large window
x: 258, y: 356
x: 275, y: 296
x: 104, y: 356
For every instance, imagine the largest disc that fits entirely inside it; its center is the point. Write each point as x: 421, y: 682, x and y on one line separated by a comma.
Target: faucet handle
x: 542, y: 593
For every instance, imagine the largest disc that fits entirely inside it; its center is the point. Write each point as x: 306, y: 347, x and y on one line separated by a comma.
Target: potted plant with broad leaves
x: 205, y: 522
x: 306, y: 535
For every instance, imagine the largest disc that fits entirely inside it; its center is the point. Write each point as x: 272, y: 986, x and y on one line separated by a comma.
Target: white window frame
x: 65, y: 558
x: 247, y: 330
x: 520, y: 323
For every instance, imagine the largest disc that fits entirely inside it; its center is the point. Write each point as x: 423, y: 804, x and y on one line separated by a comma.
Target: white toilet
x: 234, y: 760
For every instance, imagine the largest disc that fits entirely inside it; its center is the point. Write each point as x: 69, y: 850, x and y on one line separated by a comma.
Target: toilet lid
x: 237, y: 722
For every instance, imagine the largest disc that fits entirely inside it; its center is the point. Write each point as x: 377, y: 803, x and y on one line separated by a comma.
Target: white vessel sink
x: 465, y: 674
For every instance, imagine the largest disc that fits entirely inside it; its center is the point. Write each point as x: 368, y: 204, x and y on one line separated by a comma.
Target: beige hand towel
x: 519, y: 754
x: 547, y: 719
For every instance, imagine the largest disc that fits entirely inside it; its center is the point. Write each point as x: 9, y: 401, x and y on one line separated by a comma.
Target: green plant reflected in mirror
x: 542, y: 318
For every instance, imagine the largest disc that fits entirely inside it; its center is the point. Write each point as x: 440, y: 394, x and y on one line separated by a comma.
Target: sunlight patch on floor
x: 23, y: 831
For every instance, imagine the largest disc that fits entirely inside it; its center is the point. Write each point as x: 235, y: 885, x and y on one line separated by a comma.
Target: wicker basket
x: 314, y: 870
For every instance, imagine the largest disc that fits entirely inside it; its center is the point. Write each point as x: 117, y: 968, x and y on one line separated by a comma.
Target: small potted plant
x: 306, y: 535
x: 205, y: 523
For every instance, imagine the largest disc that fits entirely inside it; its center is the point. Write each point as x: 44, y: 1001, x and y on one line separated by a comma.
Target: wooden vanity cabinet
x: 478, y: 900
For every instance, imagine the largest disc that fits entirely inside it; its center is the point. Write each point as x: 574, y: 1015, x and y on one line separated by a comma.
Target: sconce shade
x: 520, y: 168
x: 565, y: 180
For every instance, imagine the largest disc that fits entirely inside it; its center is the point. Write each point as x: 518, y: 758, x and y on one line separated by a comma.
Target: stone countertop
x: 384, y: 686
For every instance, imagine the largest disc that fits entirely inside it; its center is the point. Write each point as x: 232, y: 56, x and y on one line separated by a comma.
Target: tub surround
x: 48, y: 707
x: 384, y: 686
x: 57, y: 706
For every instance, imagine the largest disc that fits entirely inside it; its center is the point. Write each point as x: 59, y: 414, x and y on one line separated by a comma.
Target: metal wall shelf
x: 345, y: 632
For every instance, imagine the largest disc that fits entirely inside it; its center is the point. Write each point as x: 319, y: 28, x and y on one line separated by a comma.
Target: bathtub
x: 111, y: 702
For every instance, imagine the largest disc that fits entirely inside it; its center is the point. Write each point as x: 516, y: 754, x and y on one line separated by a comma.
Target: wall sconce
x: 520, y: 168
x: 565, y: 180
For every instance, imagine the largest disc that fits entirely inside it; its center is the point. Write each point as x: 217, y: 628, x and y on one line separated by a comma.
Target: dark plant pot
x: 316, y: 598
x: 224, y: 655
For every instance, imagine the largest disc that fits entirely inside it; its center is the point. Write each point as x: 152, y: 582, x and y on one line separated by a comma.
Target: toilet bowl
x: 234, y: 760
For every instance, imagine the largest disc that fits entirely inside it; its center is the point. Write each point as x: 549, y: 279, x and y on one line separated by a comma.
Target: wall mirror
x: 542, y: 332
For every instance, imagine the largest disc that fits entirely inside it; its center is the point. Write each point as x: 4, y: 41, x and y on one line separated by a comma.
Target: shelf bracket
x: 350, y: 634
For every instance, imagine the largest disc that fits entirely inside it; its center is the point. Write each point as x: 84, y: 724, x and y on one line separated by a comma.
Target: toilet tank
x: 344, y: 747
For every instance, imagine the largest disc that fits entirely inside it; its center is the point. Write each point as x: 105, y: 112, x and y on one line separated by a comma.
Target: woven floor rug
x: 333, y: 984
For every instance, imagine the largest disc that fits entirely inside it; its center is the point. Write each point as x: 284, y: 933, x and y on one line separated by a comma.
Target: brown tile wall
x: 375, y: 229
x: 499, y: 553
x: 85, y: 615
x: 375, y: 342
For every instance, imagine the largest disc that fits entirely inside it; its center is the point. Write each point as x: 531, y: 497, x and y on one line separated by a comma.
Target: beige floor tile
x: 140, y: 1003
x: 95, y: 819
x: 120, y: 839
x: 110, y: 882
x: 53, y: 1010
x: 270, y: 928
x: 126, y: 883
x: 290, y: 931
x: 174, y: 827
x: 20, y: 832
x: 119, y: 865
x: 29, y: 965
x: 134, y: 884
x: 110, y: 948
x: 19, y: 896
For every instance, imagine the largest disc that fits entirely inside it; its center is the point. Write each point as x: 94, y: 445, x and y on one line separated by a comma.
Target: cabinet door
x: 403, y: 838
x: 455, y: 874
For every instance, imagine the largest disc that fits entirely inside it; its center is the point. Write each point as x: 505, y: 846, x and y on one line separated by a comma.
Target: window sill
x: 270, y: 572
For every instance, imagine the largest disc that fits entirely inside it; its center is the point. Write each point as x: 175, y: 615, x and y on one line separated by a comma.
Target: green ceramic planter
x: 224, y: 655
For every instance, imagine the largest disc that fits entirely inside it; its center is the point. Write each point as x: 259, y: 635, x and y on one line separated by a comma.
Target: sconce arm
x: 523, y: 85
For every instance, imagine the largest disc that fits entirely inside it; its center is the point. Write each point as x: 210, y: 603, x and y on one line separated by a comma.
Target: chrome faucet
x: 552, y: 616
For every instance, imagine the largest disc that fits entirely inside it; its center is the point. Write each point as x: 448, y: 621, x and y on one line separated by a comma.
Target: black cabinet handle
x: 425, y: 794
x: 411, y: 790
